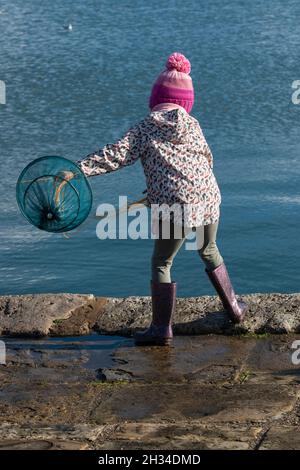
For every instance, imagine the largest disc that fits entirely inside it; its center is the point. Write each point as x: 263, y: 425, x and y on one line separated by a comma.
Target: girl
x: 178, y: 167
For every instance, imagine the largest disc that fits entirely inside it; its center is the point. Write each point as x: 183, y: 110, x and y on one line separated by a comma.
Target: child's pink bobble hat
x: 174, y: 84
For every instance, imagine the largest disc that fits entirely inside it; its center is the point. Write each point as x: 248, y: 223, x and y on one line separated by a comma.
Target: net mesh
x: 48, y: 200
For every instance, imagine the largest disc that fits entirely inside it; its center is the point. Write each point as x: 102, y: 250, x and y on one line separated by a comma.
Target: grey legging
x: 165, y: 250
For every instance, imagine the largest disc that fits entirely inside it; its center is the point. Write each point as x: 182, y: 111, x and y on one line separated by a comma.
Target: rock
x: 182, y: 402
x: 42, y: 314
x: 70, y: 314
x: 25, y: 445
x: 78, y: 432
x: 268, y: 313
x: 113, y: 375
x: 281, y: 437
x: 209, y: 378
x: 205, y: 392
x: 181, y: 436
x: 81, y: 321
x: 42, y: 445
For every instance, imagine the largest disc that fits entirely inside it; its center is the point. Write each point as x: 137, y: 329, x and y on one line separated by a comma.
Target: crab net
x: 49, y: 200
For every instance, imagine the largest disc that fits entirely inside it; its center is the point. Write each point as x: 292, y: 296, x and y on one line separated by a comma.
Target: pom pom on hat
x: 174, y: 84
x: 178, y: 62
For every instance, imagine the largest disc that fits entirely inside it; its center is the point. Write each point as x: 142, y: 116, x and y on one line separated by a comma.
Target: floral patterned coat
x: 177, y: 163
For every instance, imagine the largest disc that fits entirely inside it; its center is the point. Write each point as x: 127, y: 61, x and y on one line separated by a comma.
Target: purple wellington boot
x: 163, y: 305
x: 220, y: 279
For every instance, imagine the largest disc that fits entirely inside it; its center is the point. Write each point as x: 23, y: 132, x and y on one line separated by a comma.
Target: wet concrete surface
x: 89, y: 351
x: 102, y: 392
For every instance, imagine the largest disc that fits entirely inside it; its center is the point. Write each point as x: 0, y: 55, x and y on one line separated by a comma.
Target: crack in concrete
x: 274, y: 421
x: 262, y: 436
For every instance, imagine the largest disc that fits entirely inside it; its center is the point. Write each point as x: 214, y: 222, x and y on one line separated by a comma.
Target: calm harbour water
x: 70, y: 92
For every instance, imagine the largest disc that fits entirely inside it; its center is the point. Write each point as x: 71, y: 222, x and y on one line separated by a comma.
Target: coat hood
x: 173, y: 125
